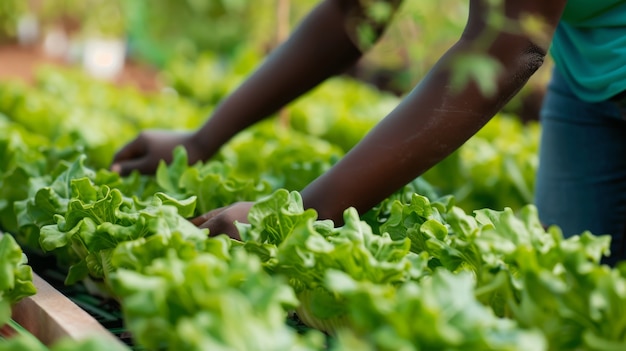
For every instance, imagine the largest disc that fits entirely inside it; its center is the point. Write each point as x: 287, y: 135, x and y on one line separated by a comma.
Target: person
x: 581, y: 180
x: 437, y: 116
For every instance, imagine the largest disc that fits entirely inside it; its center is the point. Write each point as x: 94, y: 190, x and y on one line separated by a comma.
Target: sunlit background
x: 131, y: 41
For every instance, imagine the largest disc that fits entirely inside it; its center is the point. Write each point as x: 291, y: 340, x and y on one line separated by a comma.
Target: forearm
x: 431, y: 122
x: 419, y: 133
x: 318, y: 49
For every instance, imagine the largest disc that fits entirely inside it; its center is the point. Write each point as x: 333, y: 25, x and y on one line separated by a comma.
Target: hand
x: 222, y: 220
x: 150, y: 147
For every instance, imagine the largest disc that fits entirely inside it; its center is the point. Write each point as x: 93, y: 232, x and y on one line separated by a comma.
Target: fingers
x: 198, y: 221
x: 143, y: 165
x: 131, y: 156
x: 134, y: 149
x: 216, y: 227
x: 146, y: 151
x: 217, y: 224
x: 222, y: 220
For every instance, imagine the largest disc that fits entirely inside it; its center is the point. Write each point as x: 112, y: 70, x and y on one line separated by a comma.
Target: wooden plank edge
x: 50, y: 316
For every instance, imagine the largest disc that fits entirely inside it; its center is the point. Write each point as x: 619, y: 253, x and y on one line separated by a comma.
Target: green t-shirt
x: 589, y: 48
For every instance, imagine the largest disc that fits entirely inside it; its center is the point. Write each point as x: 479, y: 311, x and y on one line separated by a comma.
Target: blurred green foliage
x: 159, y: 30
x: 10, y: 11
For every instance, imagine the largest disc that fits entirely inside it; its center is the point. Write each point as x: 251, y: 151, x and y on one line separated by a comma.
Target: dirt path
x: 21, y: 63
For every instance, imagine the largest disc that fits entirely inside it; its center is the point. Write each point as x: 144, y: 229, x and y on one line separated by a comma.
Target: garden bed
x: 51, y: 316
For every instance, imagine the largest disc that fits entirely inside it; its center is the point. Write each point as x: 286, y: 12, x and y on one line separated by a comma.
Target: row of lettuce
x: 71, y: 111
x: 420, y: 271
x: 430, y: 277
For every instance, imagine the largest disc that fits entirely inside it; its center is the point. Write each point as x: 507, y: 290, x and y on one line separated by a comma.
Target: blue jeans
x: 581, y: 181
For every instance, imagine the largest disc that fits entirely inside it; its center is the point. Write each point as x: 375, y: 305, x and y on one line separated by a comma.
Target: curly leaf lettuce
x: 16, y: 277
x: 206, y: 302
x: 439, y: 312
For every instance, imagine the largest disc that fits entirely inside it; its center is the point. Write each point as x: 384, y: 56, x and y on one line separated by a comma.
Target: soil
x: 21, y: 63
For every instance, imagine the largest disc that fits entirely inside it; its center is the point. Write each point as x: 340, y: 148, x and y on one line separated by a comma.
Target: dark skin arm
x: 322, y: 46
x: 431, y: 122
